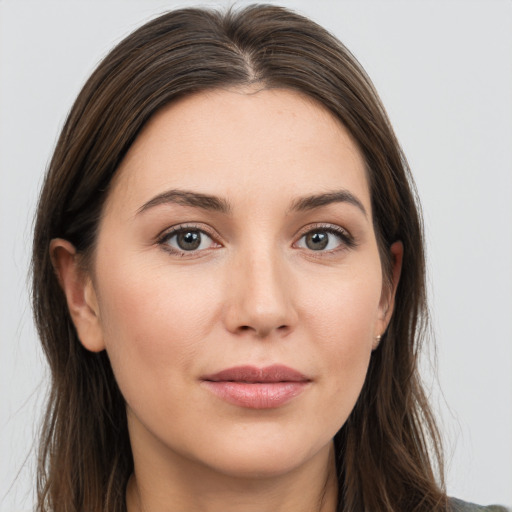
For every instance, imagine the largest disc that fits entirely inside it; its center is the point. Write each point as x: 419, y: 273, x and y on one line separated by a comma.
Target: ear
x: 387, y: 300
x: 80, y: 294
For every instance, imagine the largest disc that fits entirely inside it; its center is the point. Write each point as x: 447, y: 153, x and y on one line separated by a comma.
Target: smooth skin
x: 258, y: 275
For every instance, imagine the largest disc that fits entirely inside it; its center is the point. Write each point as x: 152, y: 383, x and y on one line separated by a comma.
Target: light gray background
x: 444, y: 72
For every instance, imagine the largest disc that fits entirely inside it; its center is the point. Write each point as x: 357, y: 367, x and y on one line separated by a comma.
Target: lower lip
x: 259, y: 395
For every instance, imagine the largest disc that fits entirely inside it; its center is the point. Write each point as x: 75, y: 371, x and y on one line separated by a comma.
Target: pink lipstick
x: 257, y: 388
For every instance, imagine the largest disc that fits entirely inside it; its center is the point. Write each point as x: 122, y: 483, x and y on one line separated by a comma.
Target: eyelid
x: 169, y: 232
x: 347, y: 240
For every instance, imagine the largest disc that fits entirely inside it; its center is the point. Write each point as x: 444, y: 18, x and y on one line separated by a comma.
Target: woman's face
x: 236, y: 284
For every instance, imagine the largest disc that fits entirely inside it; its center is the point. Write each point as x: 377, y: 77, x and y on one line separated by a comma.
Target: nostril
x: 263, y: 332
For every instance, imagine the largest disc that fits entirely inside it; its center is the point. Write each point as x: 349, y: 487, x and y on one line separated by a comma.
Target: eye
x: 187, y: 240
x: 325, y: 239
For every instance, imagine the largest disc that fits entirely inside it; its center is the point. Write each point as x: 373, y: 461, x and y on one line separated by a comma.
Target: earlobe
x: 80, y: 294
x: 387, y: 303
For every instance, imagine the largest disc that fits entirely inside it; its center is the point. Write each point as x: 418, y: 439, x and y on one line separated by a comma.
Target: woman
x: 229, y: 281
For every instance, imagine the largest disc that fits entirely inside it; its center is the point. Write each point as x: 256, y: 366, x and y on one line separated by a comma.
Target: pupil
x: 317, y: 241
x: 189, y: 240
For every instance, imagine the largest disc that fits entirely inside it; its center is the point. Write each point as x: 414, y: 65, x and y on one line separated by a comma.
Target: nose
x: 260, y: 296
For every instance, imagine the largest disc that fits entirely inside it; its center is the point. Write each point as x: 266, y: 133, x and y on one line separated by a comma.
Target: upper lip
x: 253, y: 374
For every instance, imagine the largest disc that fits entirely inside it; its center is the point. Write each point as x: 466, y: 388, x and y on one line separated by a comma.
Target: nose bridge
x: 261, y: 299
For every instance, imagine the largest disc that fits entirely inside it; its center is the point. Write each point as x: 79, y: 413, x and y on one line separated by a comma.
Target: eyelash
x: 346, y: 239
x: 163, y: 239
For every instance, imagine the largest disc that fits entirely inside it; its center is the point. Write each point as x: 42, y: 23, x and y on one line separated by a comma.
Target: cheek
x: 344, y: 311
x: 153, y: 303
x: 154, y: 325
x: 342, y: 322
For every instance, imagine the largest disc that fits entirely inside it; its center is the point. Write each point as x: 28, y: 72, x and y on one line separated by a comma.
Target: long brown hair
x: 388, y: 452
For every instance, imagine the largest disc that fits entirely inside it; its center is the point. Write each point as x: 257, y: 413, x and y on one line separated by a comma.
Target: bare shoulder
x: 463, y: 506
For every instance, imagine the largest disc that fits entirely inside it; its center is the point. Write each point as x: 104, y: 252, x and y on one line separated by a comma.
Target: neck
x: 311, y: 487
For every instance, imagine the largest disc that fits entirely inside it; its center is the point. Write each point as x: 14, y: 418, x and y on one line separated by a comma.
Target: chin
x: 264, y: 458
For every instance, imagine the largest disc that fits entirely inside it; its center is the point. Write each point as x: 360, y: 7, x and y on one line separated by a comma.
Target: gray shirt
x: 462, y: 506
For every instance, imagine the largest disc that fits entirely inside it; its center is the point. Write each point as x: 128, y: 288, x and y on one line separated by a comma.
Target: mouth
x: 257, y: 388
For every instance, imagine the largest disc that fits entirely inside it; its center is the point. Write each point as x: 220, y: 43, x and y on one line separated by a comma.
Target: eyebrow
x: 218, y: 204
x: 187, y: 198
x: 318, y: 200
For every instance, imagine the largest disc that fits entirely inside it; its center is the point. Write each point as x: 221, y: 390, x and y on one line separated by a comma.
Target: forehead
x: 242, y: 143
